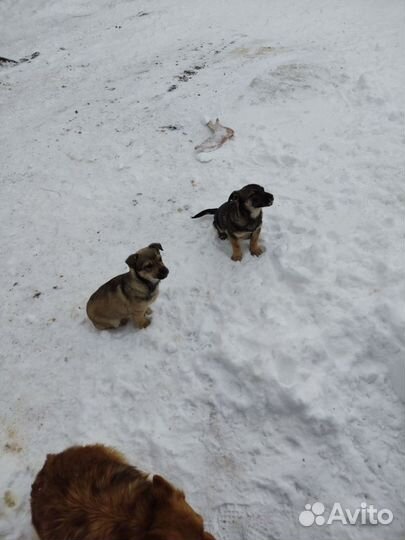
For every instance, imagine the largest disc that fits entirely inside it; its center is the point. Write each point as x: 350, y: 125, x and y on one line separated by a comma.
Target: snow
x: 262, y: 385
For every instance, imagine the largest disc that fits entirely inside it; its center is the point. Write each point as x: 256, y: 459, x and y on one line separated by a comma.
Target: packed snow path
x: 262, y: 385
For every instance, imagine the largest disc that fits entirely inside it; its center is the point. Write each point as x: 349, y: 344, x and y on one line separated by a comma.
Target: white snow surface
x: 262, y: 385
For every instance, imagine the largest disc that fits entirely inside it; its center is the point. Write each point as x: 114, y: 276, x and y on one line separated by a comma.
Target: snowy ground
x: 260, y: 386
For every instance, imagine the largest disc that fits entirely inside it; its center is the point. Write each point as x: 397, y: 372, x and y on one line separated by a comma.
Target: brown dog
x: 129, y: 295
x: 91, y: 493
x: 241, y: 218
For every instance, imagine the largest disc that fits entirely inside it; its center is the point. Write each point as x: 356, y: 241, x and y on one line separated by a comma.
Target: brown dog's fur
x: 91, y: 493
x: 129, y: 295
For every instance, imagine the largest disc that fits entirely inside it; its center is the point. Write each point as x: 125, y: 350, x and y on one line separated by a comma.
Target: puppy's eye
x: 148, y: 266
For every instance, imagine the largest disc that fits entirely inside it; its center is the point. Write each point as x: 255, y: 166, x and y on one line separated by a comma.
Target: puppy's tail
x: 205, y: 212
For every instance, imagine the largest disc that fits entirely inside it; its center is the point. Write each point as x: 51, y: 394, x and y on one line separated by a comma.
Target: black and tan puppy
x: 129, y: 295
x: 241, y: 218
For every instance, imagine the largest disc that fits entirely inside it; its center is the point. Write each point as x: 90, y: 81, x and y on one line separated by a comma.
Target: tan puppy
x: 91, y: 493
x: 129, y: 295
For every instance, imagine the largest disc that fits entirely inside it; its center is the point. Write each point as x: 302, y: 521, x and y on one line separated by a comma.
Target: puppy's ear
x: 156, y: 246
x: 131, y: 261
x: 161, y: 487
x: 234, y: 196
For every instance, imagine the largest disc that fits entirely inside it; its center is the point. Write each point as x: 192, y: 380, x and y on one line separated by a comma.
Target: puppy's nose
x: 271, y: 198
x: 163, y: 272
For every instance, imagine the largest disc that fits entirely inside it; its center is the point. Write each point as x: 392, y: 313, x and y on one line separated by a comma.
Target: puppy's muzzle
x: 163, y: 273
x: 268, y: 199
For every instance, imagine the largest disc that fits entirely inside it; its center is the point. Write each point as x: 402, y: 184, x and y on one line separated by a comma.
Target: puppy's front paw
x: 145, y: 323
x: 256, y: 251
x: 237, y: 257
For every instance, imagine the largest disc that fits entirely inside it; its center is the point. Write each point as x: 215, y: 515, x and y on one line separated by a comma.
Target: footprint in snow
x: 241, y: 522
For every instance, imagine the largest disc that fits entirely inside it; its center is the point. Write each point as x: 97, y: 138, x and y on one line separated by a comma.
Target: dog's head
x: 148, y: 263
x: 252, y: 196
x: 174, y: 518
